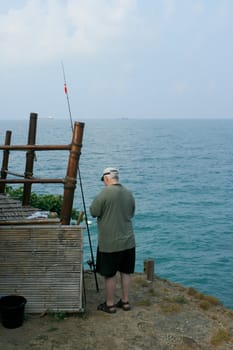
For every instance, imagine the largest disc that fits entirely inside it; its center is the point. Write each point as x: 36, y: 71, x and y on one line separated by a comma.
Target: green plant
x: 58, y: 316
x: 204, y: 305
x: 143, y: 302
x: 140, y: 281
x: 222, y: 335
x: 16, y: 193
x: 206, y: 298
x: 52, y: 329
x: 47, y: 202
x: 154, y: 292
x: 210, y: 299
x: 193, y: 292
x: 168, y: 307
x: 180, y: 299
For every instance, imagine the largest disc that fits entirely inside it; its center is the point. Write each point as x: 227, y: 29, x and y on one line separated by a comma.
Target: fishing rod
x: 92, y: 262
x: 67, y: 96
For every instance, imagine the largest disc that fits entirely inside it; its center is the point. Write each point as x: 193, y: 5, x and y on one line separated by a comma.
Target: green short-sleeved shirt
x: 114, y: 208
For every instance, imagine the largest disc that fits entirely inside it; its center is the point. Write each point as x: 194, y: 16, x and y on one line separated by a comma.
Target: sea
x: 180, y: 172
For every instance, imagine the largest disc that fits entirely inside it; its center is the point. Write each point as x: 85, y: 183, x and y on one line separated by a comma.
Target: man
x: 114, y: 208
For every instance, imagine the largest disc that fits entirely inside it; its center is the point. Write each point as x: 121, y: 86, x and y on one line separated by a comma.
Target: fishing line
x: 92, y: 263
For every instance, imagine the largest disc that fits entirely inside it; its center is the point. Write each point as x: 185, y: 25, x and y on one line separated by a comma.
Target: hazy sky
x: 122, y: 58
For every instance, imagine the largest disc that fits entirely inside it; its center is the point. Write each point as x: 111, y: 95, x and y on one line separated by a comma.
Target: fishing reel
x: 90, y: 263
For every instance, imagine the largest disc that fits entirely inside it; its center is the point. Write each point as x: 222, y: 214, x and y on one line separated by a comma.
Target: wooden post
x: 30, y: 158
x: 5, y: 161
x: 71, y: 176
x: 149, y: 269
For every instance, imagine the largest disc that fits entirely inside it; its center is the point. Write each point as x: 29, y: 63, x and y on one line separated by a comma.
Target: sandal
x: 109, y: 309
x: 125, y: 305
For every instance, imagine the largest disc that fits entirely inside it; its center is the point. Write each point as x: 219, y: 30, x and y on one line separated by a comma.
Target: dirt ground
x: 164, y: 316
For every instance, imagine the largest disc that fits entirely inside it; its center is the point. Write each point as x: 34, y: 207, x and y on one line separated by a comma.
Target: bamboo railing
x: 27, y: 179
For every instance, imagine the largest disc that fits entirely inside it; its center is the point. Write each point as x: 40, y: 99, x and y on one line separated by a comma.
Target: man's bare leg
x: 110, y: 287
x: 125, y: 286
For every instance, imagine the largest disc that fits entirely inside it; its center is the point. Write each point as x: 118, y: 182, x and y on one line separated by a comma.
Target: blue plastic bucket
x: 12, y: 310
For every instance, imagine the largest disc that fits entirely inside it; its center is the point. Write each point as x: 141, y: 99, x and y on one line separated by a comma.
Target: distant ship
x: 48, y: 117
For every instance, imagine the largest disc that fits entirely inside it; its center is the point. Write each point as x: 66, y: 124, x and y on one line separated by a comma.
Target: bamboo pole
x: 71, y: 176
x: 32, y: 181
x: 36, y: 147
x: 5, y: 160
x: 30, y: 159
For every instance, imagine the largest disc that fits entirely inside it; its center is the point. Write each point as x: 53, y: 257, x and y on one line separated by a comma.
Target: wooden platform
x: 43, y: 263
x: 13, y: 213
x: 40, y: 259
x: 12, y: 210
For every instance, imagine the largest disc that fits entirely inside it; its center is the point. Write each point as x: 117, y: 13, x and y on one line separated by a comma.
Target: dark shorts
x: 107, y: 264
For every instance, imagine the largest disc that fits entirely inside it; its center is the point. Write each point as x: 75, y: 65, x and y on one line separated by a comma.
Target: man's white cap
x: 110, y: 171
